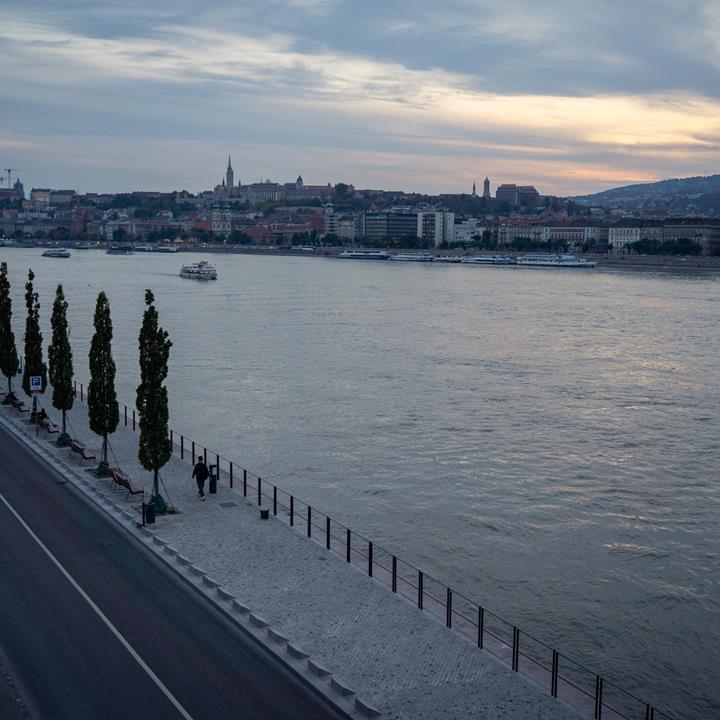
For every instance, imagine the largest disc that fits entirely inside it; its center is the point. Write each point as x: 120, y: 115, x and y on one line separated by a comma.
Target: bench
x: 119, y: 478
x: 77, y: 448
x: 17, y: 403
x: 48, y: 425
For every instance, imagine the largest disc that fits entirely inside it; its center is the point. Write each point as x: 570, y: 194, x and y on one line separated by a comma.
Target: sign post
x: 35, y: 389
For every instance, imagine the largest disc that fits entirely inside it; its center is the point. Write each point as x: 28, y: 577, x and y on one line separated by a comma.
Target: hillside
x: 681, y: 195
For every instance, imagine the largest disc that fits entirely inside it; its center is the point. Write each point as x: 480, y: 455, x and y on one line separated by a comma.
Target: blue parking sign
x: 35, y: 383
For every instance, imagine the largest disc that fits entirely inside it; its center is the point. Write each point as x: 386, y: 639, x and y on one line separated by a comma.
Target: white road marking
x: 183, y: 712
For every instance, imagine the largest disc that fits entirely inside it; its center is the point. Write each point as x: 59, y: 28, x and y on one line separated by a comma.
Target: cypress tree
x: 34, y: 365
x: 103, y: 410
x: 9, y: 361
x: 152, y: 398
x: 60, y: 361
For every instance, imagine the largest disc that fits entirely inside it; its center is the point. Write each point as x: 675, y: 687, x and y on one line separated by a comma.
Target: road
x: 93, y: 626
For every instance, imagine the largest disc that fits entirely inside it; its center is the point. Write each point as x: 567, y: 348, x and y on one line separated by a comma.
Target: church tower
x: 474, y: 192
x: 486, y: 189
x: 229, y: 176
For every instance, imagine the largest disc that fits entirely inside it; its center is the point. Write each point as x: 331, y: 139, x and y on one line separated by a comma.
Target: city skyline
x: 417, y: 98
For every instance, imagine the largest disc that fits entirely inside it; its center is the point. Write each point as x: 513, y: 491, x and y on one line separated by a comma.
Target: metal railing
x: 590, y: 693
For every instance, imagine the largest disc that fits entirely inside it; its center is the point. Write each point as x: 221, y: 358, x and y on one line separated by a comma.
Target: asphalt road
x: 104, y: 631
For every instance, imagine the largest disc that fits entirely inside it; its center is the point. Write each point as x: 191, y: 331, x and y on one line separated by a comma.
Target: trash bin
x: 213, y: 479
x: 149, y: 513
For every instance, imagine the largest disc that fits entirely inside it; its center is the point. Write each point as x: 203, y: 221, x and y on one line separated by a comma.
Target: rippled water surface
x: 544, y: 441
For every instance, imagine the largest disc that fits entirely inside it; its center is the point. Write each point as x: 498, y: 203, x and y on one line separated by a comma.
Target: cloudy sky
x: 570, y: 95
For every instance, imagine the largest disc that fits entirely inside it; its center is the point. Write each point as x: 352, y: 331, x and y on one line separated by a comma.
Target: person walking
x: 201, y: 474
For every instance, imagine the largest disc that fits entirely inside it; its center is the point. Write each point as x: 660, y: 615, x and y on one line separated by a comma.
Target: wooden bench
x: 77, y: 448
x: 17, y: 403
x: 48, y: 425
x: 119, y: 478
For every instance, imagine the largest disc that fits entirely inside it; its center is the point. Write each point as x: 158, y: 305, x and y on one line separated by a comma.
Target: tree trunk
x: 104, y: 449
x: 64, y: 432
x: 156, y: 489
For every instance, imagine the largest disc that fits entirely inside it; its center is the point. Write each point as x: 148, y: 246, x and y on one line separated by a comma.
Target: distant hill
x: 695, y: 194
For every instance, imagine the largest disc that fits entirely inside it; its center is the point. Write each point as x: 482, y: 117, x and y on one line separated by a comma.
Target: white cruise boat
x: 364, y: 254
x: 448, y: 259
x: 545, y: 260
x: 166, y: 249
x: 56, y: 253
x: 489, y: 260
x: 201, y: 270
x: 412, y: 257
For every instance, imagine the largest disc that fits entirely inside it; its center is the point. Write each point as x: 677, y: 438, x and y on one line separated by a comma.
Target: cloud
x: 547, y: 94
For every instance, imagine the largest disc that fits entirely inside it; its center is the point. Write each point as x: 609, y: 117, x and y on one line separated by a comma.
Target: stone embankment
x: 370, y: 651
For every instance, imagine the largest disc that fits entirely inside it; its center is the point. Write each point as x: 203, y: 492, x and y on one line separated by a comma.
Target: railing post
x: 555, y: 673
x: 81, y: 392
x: 125, y: 406
x: 516, y: 650
x: 448, y: 608
x: 394, y: 574
x: 182, y: 447
x: 172, y: 443
x: 649, y: 712
x: 193, y: 452
x: 481, y: 627
x: 309, y: 522
x: 244, y: 482
x: 74, y: 388
x: 347, y: 543
x: 598, y: 697
x: 205, y: 455
x: 274, y: 499
x: 259, y: 491
x: 420, y: 589
x: 231, y: 476
x: 217, y: 460
x: 370, y: 562
x: 327, y: 533
x: 292, y: 510
x: 133, y: 421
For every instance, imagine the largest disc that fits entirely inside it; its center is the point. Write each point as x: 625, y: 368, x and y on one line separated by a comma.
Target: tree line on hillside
x: 103, y: 410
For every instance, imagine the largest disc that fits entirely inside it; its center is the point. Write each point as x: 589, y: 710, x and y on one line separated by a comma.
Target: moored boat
x: 547, y: 260
x: 166, y: 249
x: 119, y: 250
x: 412, y: 257
x: 201, y: 270
x: 365, y: 254
x: 448, y: 259
x: 489, y: 260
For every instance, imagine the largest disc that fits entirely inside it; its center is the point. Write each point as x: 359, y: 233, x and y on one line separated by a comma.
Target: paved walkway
x: 399, y: 659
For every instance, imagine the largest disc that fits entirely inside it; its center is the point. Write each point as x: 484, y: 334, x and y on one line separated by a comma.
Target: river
x: 544, y: 441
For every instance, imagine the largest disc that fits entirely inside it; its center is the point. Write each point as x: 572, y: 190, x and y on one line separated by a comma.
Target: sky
x: 425, y: 96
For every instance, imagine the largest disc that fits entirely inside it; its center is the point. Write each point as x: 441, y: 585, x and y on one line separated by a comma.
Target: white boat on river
x: 545, y: 260
x: 201, y: 270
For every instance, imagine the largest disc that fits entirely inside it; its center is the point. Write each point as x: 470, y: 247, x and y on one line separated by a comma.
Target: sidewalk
x: 399, y: 659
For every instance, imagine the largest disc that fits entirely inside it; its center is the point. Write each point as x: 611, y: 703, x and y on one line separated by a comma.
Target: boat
x: 547, y: 260
x: 412, y: 257
x: 489, y: 260
x: 119, y: 250
x: 143, y: 248
x: 166, y: 249
x: 82, y: 246
x: 56, y: 253
x: 201, y: 270
x: 365, y: 254
x: 448, y: 259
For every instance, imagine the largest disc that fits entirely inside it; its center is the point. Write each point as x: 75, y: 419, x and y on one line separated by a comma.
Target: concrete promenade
x: 376, y: 646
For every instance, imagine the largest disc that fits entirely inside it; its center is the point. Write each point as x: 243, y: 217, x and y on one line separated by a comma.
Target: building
x: 468, y: 230
x: 518, y: 195
x: 436, y: 227
x: 433, y: 226
x: 630, y: 231
x: 486, y: 189
x: 703, y: 232
x: 528, y: 196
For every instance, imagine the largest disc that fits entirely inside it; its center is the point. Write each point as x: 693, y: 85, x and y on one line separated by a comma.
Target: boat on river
x: 489, y: 260
x: 448, y: 259
x: 365, y: 254
x: 56, y: 253
x: 166, y: 249
x: 201, y: 270
x: 546, y: 260
x: 412, y: 257
x: 119, y: 250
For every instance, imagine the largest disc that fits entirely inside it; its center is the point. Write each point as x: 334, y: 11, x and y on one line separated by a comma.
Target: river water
x: 544, y: 441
